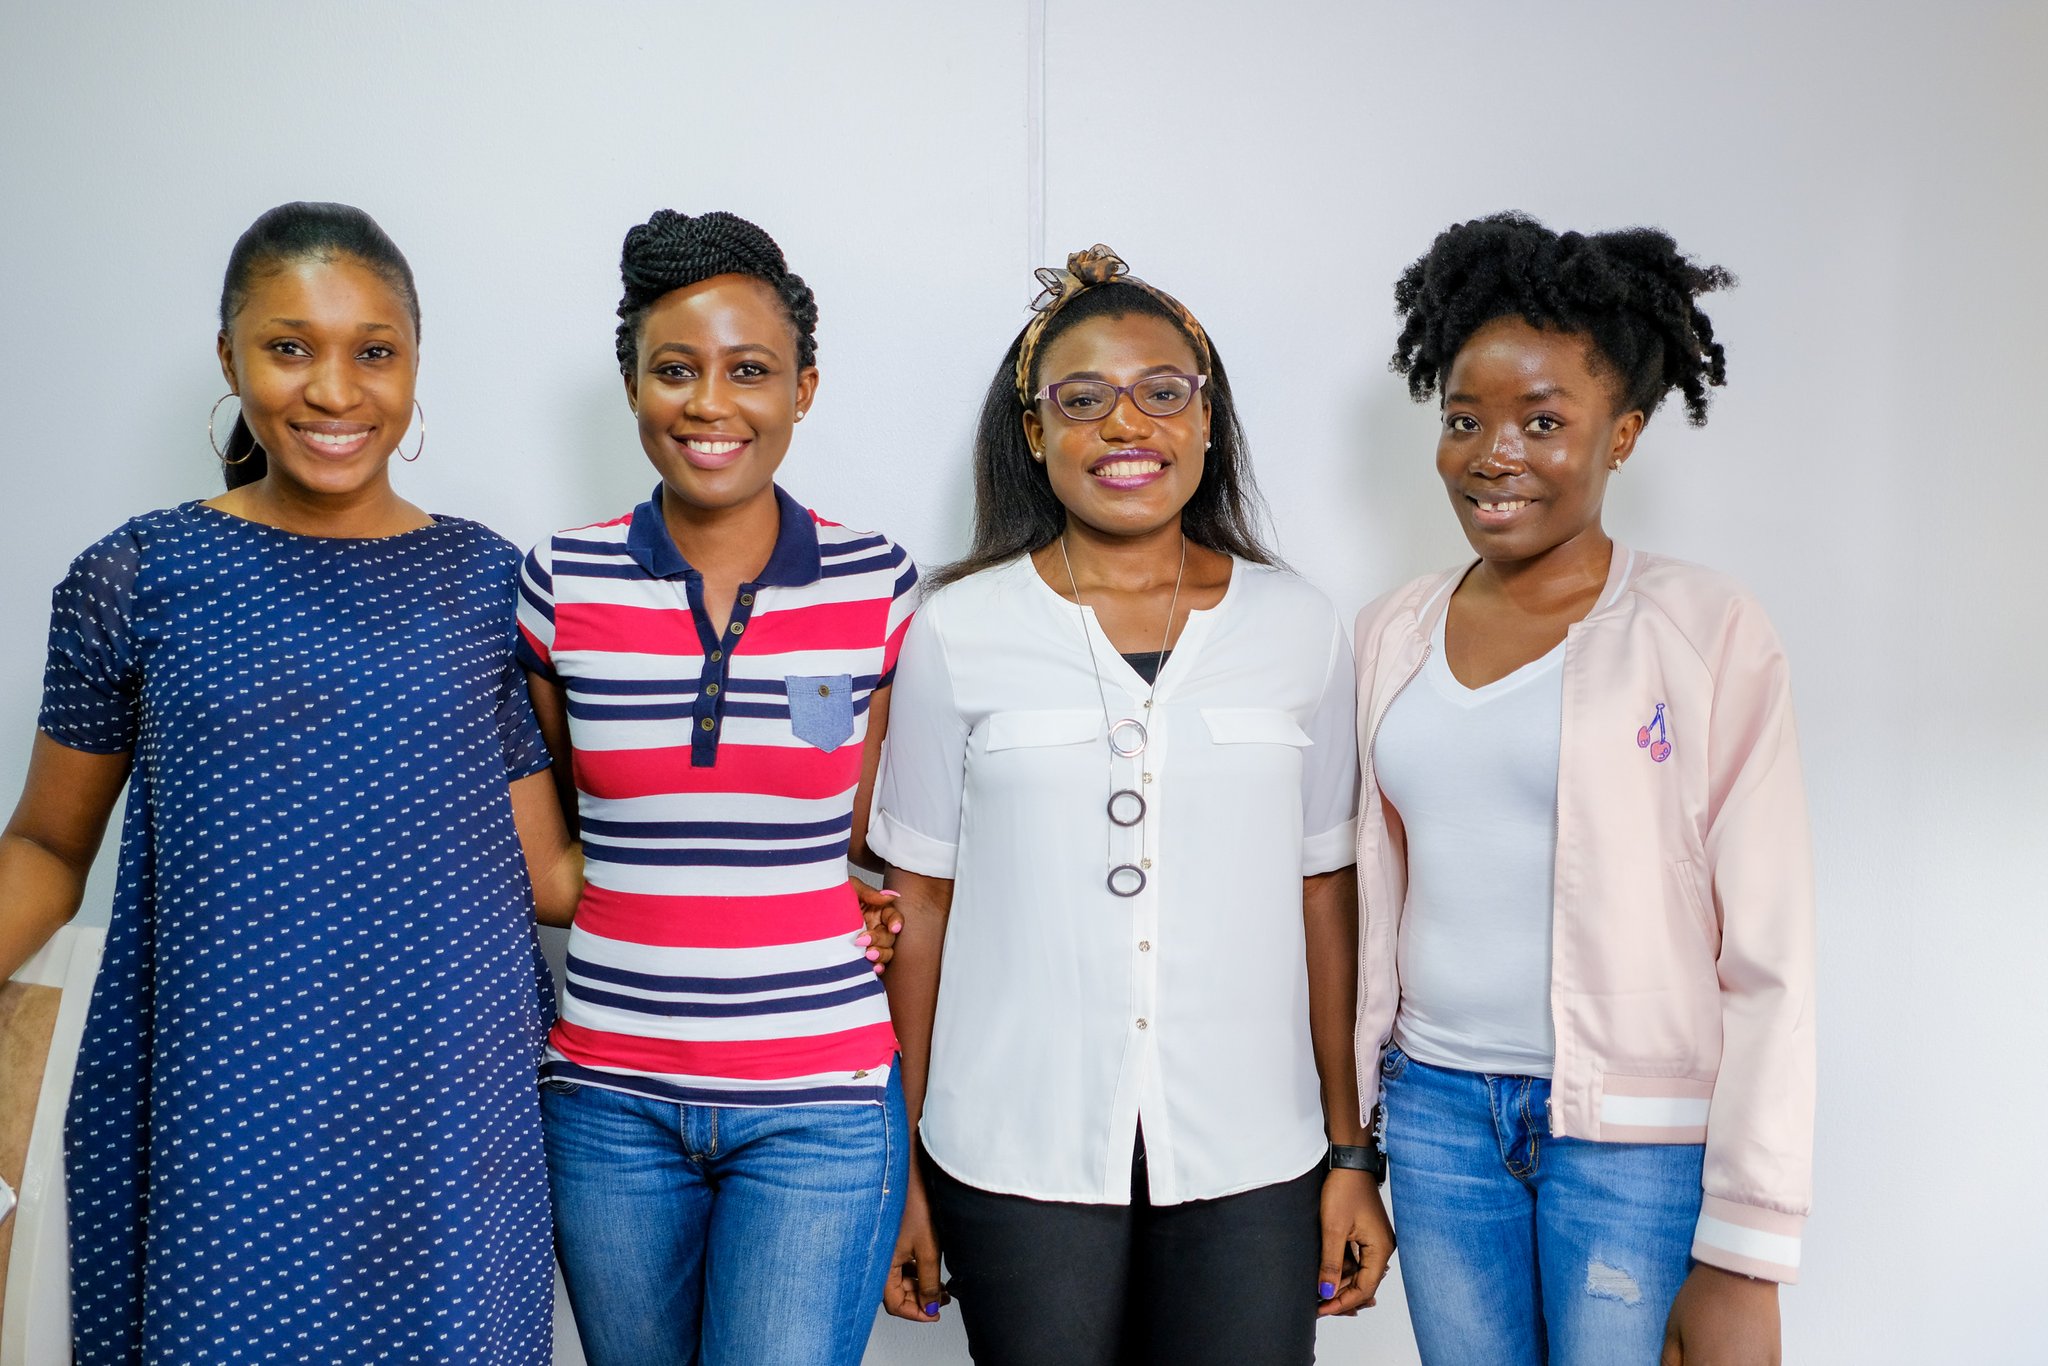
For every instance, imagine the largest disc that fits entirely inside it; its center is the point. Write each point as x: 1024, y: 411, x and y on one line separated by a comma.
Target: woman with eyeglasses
x: 1118, y: 803
x: 1588, y: 902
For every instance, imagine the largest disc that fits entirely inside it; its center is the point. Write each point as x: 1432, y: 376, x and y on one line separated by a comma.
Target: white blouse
x: 1067, y: 1013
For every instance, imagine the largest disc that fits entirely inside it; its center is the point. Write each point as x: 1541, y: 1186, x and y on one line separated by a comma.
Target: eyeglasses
x: 1091, y: 400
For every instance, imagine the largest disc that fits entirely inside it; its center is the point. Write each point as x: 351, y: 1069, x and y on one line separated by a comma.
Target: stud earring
x: 799, y: 414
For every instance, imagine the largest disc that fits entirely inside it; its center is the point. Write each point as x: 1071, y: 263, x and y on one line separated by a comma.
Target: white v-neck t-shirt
x: 1473, y: 774
x: 1066, y: 1013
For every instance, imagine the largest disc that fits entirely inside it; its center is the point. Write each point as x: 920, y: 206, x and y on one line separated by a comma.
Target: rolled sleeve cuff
x: 901, y: 847
x: 1333, y: 849
x: 1749, y: 1240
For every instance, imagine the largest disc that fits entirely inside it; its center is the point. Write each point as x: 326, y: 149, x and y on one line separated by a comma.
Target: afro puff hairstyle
x: 1631, y: 292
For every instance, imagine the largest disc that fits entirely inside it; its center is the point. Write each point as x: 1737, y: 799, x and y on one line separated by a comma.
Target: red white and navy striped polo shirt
x: 711, y: 961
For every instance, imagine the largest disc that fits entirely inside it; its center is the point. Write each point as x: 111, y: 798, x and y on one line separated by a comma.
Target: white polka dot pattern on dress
x: 305, y: 1123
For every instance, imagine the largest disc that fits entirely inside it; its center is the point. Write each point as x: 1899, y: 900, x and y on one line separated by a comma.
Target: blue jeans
x: 1519, y: 1248
x: 700, y: 1235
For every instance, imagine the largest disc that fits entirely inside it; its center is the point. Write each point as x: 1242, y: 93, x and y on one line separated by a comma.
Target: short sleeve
x: 903, y: 601
x: 526, y: 751
x: 1329, y: 770
x: 92, y: 685
x: 536, y: 645
x: 917, y: 818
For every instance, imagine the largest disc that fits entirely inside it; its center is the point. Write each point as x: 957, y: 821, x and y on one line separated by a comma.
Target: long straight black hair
x: 1015, y: 509
x: 297, y: 232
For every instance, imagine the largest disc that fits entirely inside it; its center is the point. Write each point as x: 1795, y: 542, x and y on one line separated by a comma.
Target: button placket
x: 709, y: 711
x: 1144, y: 927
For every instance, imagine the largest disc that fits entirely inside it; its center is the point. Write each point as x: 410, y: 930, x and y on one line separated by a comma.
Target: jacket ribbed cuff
x: 1748, y: 1240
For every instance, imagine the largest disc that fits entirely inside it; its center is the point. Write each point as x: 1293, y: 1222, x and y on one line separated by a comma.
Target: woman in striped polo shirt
x: 725, y: 1126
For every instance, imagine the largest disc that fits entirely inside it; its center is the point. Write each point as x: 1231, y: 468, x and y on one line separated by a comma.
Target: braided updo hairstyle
x: 1631, y: 292
x: 672, y: 251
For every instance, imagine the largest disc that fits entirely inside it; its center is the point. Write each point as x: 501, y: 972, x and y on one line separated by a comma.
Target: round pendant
x: 1126, y: 808
x: 1126, y: 879
x: 1127, y: 738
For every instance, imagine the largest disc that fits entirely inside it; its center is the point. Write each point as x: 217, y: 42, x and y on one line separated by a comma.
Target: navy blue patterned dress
x: 305, y: 1124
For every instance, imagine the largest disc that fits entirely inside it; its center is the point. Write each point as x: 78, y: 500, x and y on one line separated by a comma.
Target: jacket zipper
x: 1364, y: 899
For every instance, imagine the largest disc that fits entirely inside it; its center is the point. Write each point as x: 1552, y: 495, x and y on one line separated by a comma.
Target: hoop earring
x: 214, y: 441
x: 408, y: 459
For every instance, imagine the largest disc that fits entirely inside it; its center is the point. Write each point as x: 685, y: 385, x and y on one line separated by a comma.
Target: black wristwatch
x: 1364, y: 1159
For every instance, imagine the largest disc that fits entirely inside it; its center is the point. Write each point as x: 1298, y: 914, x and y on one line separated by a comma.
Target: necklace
x: 1126, y: 806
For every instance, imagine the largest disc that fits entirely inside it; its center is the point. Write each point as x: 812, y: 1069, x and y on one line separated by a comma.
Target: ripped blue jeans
x: 1517, y: 1248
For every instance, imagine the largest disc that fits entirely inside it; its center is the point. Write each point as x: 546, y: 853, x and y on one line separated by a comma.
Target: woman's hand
x: 1358, y: 1242
x: 883, y: 923
x: 1722, y: 1319
x: 914, y: 1290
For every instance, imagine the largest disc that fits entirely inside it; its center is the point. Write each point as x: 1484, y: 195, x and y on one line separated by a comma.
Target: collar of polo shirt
x: 795, y: 561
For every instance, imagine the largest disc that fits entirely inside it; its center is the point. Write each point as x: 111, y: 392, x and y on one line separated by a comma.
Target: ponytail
x: 245, y: 461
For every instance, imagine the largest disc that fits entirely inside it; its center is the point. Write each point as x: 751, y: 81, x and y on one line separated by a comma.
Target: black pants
x: 1230, y: 1282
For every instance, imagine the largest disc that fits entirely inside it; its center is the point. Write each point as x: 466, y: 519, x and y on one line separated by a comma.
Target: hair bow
x: 1097, y: 265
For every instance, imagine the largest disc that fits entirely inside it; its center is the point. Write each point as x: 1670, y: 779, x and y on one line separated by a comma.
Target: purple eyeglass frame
x: 1123, y: 391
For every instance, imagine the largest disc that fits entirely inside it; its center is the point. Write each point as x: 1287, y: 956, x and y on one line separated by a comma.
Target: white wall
x: 1873, y: 171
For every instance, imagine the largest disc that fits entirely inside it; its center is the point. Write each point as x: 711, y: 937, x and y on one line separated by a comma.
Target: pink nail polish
x: 891, y: 895
x: 895, y: 927
x: 878, y: 969
x: 864, y: 940
x: 874, y: 955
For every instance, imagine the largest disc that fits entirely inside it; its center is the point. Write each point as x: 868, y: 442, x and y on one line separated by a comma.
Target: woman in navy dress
x: 305, y: 1123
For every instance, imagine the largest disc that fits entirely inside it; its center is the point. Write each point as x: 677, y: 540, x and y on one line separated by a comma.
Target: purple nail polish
x: 932, y: 1309
x: 1326, y: 1290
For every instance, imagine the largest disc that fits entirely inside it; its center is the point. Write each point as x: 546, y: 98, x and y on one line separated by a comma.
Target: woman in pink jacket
x: 1586, y: 953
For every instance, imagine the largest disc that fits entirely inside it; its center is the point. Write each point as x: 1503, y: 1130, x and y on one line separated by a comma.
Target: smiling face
x: 323, y: 355
x: 717, y: 390
x: 1128, y: 473
x: 1529, y: 434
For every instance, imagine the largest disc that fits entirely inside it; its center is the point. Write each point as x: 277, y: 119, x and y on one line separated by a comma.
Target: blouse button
x: 1144, y: 946
x: 1148, y: 704
x: 1148, y: 777
x: 711, y: 690
x: 738, y: 627
x: 1143, y: 1025
x: 1145, y: 863
x: 706, y: 724
x: 717, y: 655
x: 746, y: 599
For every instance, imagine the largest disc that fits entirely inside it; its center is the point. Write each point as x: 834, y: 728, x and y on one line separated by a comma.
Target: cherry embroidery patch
x: 1655, y: 738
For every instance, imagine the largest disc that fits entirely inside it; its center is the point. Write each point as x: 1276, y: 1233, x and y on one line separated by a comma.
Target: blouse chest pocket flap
x: 821, y: 708
x: 1254, y: 726
x: 1038, y: 729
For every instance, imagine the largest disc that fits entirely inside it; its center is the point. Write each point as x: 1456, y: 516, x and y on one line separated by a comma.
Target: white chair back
x: 35, y: 1303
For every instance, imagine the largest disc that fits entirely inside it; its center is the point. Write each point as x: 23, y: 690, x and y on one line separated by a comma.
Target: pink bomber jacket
x: 1682, y: 966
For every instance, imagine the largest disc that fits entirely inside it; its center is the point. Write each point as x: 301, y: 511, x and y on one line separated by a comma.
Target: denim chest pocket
x: 821, y: 708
